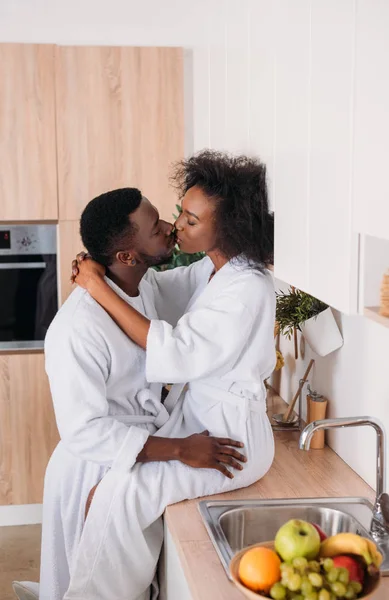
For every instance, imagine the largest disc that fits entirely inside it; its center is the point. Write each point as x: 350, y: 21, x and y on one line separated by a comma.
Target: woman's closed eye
x: 191, y: 223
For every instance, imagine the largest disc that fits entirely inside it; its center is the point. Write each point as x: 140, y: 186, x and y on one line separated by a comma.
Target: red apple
x: 354, y: 568
x: 320, y: 532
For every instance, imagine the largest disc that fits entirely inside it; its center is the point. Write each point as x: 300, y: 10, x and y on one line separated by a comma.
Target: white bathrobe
x: 223, y: 349
x: 105, y: 410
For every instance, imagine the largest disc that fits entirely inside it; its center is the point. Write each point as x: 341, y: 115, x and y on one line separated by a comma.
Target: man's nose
x: 168, y: 228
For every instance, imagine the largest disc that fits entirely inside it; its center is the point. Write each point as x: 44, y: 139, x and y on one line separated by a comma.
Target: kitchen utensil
x: 295, y: 398
x: 279, y: 419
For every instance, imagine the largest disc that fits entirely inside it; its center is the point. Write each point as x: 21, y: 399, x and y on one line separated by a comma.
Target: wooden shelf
x: 372, y: 312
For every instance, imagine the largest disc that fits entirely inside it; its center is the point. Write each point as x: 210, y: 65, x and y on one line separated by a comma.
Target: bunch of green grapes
x: 303, y: 580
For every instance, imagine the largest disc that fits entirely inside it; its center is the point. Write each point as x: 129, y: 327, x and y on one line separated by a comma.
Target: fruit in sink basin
x: 321, y: 533
x: 354, y: 568
x: 259, y: 569
x: 351, y: 543
x: 297, y: 539
x: 342, y: 567
x: 278, y: 591
x: 314, y: 580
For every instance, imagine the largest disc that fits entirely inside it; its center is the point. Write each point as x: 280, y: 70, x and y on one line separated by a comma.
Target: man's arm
x: 77, y: 365
x: 199, y: 450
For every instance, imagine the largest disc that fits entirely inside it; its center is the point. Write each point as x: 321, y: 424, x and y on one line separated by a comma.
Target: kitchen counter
x: 294, y: 474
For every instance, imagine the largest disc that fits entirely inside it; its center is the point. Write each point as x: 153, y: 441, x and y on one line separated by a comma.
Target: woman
x: 222, y: 348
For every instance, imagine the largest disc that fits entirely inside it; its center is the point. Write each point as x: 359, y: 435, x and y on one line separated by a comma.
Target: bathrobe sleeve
x: 206, y: 342
x: 174, y: 288
x: 77, y: 367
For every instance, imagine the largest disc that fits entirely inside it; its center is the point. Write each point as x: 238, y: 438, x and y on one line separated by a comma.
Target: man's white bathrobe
x: 105, y: 410
x: 223, y: 349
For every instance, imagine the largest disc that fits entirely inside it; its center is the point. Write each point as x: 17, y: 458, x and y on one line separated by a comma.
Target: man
x: 105, y: 409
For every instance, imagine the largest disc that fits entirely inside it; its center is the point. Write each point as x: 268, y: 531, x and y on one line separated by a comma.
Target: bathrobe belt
x: 237, y: 393
x: 149, y: 401
x: 158, y: 413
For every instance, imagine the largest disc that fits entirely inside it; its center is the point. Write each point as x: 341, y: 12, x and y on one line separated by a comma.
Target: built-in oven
x: 28, y: 284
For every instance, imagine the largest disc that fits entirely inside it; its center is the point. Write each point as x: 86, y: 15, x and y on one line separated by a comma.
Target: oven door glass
x: 28, y: 298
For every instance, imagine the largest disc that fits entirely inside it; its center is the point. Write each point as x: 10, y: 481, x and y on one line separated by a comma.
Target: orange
x: 259, y: 569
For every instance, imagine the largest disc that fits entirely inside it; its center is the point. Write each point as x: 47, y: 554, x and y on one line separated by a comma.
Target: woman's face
x: 196, y: 231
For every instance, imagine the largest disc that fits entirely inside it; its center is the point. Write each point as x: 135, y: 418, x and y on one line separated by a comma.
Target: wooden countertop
x: 293, y: 474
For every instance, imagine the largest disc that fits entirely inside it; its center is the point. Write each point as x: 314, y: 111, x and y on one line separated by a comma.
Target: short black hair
x: 105, y: 224
x: 238, y: 185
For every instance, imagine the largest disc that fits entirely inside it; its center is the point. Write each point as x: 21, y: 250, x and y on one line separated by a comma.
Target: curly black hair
x: 105, y: 225
x: 245, y: 226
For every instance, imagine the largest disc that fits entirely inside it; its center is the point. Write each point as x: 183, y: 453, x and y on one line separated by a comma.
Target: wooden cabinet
x: 28, y: 430
x: 371, y: 119
x: 119, y: 114
x: 119, y: 123
x: 69, y: 244
x: 28, y: 175
x: 75, y: 122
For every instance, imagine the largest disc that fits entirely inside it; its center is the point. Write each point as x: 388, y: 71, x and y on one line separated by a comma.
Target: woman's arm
x: 89, y: 274
x: 174, y: 288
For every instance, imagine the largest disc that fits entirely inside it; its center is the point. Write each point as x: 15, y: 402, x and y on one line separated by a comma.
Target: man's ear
x: 126, y: 258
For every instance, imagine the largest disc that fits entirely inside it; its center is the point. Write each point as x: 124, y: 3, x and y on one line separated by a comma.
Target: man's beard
x: 153, y: 261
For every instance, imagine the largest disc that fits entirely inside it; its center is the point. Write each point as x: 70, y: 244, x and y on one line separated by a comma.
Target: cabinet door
x: 292, y: 142
x: 28, y: 174
x: 315, y: 247
x: 332, y: 246
x: 371, y: 152
x: 69, y: 244
x: 262, y: 108
x: 119, y: 123
x: 28, y: 433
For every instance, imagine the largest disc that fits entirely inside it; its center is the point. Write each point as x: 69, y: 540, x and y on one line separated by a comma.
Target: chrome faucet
x: 380, y: 521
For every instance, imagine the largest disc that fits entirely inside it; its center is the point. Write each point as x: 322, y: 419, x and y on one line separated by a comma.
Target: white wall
x: 355, y: 381
x: 233, y: 48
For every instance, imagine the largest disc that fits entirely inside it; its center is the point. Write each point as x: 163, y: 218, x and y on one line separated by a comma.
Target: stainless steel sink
x: 236, y: 524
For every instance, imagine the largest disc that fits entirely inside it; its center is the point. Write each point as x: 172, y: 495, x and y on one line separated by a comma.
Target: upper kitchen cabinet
x: 69, y: 244
x: 332, y: 247
x: 120, y: 122
x: 371, y: 137
x: 262, y: 45
x: 315, y: 248
x: 28, y: 176
x: 291, y: 165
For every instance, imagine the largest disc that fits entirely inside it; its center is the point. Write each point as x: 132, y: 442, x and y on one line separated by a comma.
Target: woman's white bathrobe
x: 105, y: 410
x: 223, y: 349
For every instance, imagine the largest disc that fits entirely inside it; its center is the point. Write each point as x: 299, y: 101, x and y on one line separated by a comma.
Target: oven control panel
x: 27, y: 239
x: 5, y: 239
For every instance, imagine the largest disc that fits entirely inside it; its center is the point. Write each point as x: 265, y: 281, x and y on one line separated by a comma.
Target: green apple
x: 296, y: 539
